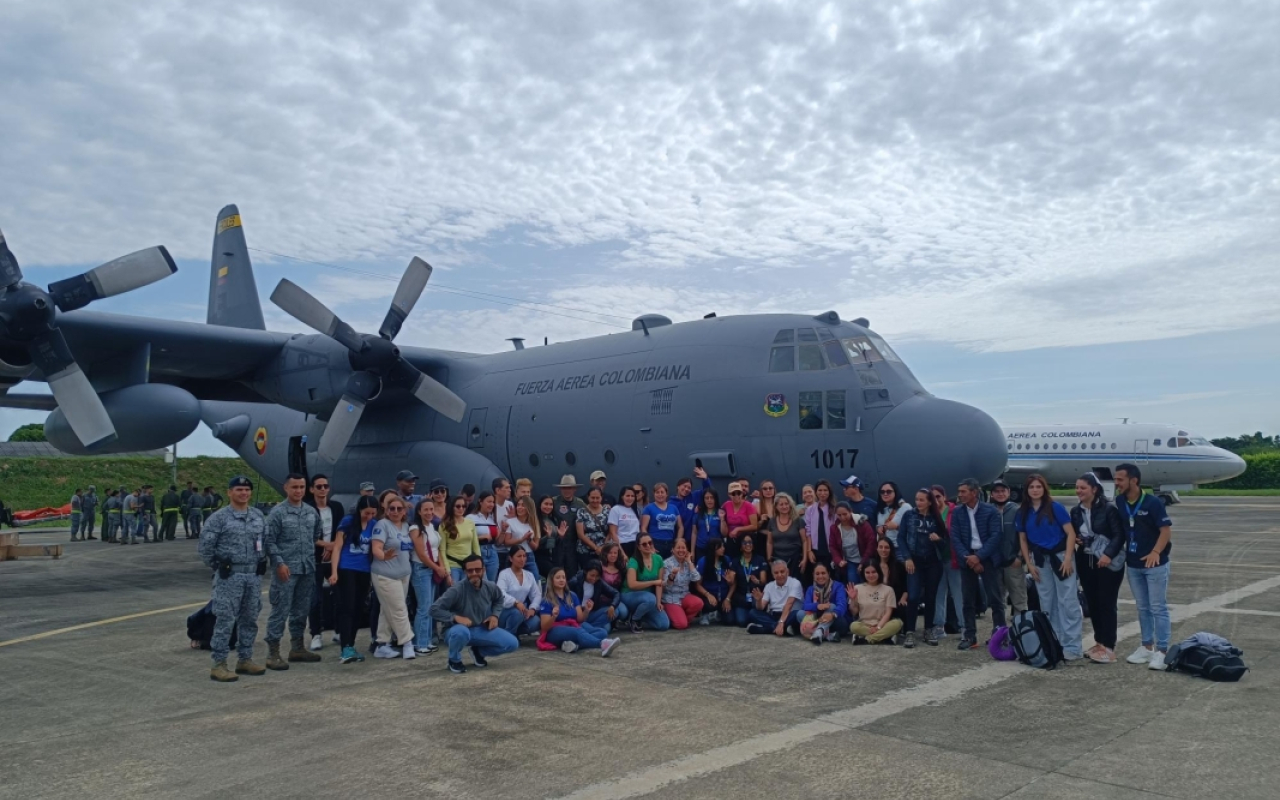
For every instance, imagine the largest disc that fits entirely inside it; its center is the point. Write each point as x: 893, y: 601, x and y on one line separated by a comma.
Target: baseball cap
x: 406, y: 475
x: 853, y: 480
x: 436, y: 483
x: 598, y: 475
x: 999, y: 482
x: 239, y: 481
x: 735, y: 487
x: 367, y: 486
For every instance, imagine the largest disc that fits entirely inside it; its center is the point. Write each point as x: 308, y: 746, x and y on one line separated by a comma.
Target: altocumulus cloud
x: 1002, y: 176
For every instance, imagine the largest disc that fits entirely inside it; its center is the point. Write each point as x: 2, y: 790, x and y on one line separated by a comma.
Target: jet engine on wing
x: 148, y: 416
x: 28, y: 320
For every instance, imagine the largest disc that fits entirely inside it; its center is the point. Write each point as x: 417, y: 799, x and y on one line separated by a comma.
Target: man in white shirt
x: 778, y: 606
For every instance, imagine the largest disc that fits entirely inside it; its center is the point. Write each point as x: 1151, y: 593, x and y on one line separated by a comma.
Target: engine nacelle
x: 15, y: 366
x: 148, y: 416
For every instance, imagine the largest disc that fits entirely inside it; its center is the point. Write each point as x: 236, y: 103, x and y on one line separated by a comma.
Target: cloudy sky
x: 1056, y: 211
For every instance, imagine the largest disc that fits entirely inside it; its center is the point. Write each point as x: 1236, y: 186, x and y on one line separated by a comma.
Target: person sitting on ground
x: 606, y: 602
x: 852, y: 542
x: 564, y: 619
x: 642, y: 592
x: 874, y: 603
x: 751, y: 572
x: 826, y: 606
x: 471, y: 608
x: 779, y: 606
x: 892, y: 571
x: 613, y: 571
x: 716, y: 584
x: 679, y: 601
x: 521, y: 596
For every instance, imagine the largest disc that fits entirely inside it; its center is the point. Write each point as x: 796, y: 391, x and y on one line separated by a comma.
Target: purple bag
x: 1001, y: 646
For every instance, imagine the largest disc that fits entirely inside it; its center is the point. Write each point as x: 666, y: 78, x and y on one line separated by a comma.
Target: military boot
x: 274, y: 661
x: 247, y: 666
x: 221, y: 674
x: 298, y: 652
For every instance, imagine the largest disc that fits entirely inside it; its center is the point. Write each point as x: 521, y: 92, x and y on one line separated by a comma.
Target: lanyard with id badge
x: 1132, y: 513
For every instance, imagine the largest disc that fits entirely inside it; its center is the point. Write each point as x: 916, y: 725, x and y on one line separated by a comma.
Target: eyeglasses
x: 886, y: 491
x: 439, y: 491
x: 475, y: 570
x: 320, y: 487
x: 767, y: 489
x: 460, y: 505
x: 395, y: 508
x: 646, y: 544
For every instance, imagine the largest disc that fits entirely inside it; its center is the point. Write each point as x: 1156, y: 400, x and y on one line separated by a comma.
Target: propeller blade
x: 10, y: 274
x: 299, y: 304
x: 412, y: 283
x: 342, y: 424
x: 112, y: 278
x: 428, y: 390
x: 76, y: 397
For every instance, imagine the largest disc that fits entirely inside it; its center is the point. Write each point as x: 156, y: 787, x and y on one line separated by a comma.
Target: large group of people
x: 130, y: 517
x: 575, y: 570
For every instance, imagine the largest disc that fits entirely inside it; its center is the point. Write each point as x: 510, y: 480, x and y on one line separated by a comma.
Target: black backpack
x: 1206, y: 662
x: 1034, y: 640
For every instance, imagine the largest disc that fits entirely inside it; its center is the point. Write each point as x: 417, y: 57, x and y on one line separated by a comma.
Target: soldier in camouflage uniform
x: 293, y: 528
x: 231, y: 544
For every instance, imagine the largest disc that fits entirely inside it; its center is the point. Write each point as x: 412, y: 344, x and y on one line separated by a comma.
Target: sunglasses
x: 320, y: 487
x: 886, y: 491
x: 439, y: 491
x: 735, y: 494
x: 767, y: 489
x: 395, y: 508
x: 460, y: 505
x: 646, y: 544
x: 475, y: 571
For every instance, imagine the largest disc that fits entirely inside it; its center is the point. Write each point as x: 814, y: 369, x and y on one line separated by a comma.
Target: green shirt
x: 652, y: 573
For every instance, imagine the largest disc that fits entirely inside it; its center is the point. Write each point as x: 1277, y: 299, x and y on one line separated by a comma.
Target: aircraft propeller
x: 375, y: 358
x: 28, y: 318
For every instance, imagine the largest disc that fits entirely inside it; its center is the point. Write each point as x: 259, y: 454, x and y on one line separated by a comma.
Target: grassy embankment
x: 29, y: 483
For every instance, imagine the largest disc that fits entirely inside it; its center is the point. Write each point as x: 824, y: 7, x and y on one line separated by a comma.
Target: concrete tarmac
x: 103, y: 697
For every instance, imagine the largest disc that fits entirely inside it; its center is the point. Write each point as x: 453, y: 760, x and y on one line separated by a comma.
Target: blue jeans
x: 1059, y: 599
x: 489, y: 643
x: 1150, y: 588
x: 424, y: 628
x: 513, y: 622
x: 600, y: 617
x: 770, y: 619
x: 644, y: 608
x: 457, y: 574
x: 586, y: 636
x: 489, y: 554
x: 851, y: 574
x: 739, y: 616
x: 950, y: 585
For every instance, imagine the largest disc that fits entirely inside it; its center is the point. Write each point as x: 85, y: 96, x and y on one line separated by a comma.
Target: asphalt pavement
x: 103, y: 697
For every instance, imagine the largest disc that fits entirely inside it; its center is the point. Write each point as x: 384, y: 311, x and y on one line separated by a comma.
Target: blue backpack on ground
x: 1034, y: 640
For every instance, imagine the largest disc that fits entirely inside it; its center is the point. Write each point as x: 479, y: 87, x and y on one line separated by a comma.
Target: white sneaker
x: 568, y: 646
x: 608, y: 646
x: 317, y: 642
x: 1157, y: 661
x: 386, y: 651
x: 337, y: 639
x: 407, y: 651
x: 1141, y: 656
x: 705, y: 619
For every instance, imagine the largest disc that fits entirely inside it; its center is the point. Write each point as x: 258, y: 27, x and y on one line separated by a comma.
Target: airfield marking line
x: 1253, y: 611
x: 58, y: 631
x: 651, y: 779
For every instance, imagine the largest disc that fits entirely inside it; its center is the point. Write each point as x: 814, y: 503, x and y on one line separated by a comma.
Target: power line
x: 486, y: 296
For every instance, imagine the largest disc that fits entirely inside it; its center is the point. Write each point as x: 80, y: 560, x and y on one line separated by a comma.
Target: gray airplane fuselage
x: 644, y: 406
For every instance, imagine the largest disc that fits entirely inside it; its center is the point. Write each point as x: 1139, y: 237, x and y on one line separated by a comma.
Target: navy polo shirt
x: 1142, y: 523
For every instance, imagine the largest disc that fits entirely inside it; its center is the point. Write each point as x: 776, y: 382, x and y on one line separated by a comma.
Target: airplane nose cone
x: 927, y: 440
x: 1232, y: 466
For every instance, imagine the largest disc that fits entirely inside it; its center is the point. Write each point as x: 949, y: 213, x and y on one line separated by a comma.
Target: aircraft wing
x: 206, y: 360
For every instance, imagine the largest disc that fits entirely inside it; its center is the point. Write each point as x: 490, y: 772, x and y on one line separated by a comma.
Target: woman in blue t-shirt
x: 751, y: 571
x: 716, y: 586
x: 564, y: 619
x: 349, y: 572
x: 1048, y: 543
x: 708, y: 522
x: 662, y: 521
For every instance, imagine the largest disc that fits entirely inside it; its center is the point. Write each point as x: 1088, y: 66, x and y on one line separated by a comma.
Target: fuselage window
x: 1093, y: 446
x: 1157, y: 443
x: 835, y: 354
x: 806, y: 335
x: 811, y: 358
x: 570, y: 459
x: 1073, y: 447
x: 533, y: 459
x: 610, y: 457
x: 1113, y: 445
x: 785, y: 337
x: 782, y: 359
x: 835, y: 410
x: 810, y: 411
x: 1037, y: 447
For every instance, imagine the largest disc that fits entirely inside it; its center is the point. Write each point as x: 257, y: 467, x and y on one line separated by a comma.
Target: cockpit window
x: 806, y: 335
x: 1200, y: 441
x: 785, y: 337
x: 782, y: 359
x: 1183, y: 441
x: 835, y: 354
x: 811, y: 357
x: 826, y: 335
x: 884, y: 348
x: 860, y: 350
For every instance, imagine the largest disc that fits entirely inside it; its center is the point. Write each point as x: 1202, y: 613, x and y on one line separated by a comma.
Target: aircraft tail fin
x: 233, y: 294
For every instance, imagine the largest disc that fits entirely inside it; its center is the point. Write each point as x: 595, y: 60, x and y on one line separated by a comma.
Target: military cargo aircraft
x: 790, y: 397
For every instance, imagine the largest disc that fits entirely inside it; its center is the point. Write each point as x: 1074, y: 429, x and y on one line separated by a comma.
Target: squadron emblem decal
x: 775, y: 405
x: 260, y: 441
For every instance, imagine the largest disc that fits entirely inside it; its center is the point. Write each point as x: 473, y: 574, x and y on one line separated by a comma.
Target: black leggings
x: 923, y: 585
x: 353, y: 590
x: 1101, y: 587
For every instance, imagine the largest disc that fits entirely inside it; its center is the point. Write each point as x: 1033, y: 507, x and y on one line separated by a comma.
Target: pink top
x: 738, y: 515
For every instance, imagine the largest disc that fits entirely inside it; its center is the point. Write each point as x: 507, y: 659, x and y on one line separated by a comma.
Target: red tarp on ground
x: 41, y: 515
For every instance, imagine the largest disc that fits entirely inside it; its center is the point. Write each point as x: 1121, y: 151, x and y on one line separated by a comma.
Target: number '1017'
x: 830, y: 459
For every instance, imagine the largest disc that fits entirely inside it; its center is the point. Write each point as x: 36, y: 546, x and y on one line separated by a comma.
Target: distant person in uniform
x: 195, y: 514
x: 76, y: 513
x: 293, y: 528
x: 206, y: 503
x: 1149, y: 533
x: 170, y: 510
x: 147, y: 516
x: 232, y: 546
x: 115, y: 514
x: 89, y: 509
x: 185, y: 499
x: 368, y: 489
x: 131, y: 504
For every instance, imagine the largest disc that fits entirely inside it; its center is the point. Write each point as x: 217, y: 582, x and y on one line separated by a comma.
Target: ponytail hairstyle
x: 1098, y: 492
